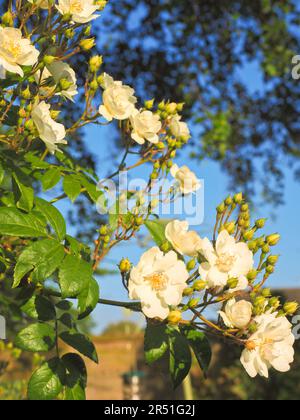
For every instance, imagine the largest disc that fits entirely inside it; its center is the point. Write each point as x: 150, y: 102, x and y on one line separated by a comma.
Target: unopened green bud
x: 149, y: 104
x: 171, y: 108
x: 273, y: 259
x: 103, y: 230
x: 139, y: 221
x: 265, y: 249
x: 221, y: 208
x: 154, y: 175
x: 165, y: 247
x: 70, y: 33
x: 273, y: 240
x: 26, y: 94
x: 193, y: 303
x: 199, y: 285
x: 245, y: 208
x: 87, y: 44
x: 54, y: 114
x: 266, y: 293
x: 233, y: 283
x: 230, y: 227
x: 65, y: 84
x: 252, y: 275
x: 188, y: 291
x: 87, y: 30
x: 125, y: 265
x: 228, y: 201
x: 249, y: 235
x: 161, y: 106
x: 48, y: 59
x: 238, y: 198
x: 274, y: 302
x: 259, y: 224
x: 252, y: 246
x: 106, y: 239
x: 93, y: 85
x: 101, y: 4
x: 29, y: 125
x: 95, y: 63
x: 191, y: 265
x: 270, y: 269
x: 7, y: 19
x: 259, y: 301
x: 290, y: 308
x: 161, y: 145
x: 175, y: 317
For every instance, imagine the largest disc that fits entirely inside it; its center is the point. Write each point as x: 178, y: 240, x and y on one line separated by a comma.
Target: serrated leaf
x: 47, y: 381
x: 40, y: 308
x: 50, y: 178
x: 81, y: 343
x: 53, y: 216
x: 72, y: 187
x: 24, y: 194
x: 157, y: 230
x: 15, y: 223
x: 42, y: 258
x: 74, y: 276
x: 36, y: 338
x: 88, y: 299
x: 156, y: 342
x: 180, y: 357
x: 76, y: 377
x: 201, y: 347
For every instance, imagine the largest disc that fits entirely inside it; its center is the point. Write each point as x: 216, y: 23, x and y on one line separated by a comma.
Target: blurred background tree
x: 207, y: 53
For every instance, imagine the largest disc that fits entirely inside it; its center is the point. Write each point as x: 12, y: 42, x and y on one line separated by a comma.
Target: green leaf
x: 15, y: 223
x: 180, y: 357
x: 72, y: 187
x: 42, y: 257
x: 81, y: 343
x: 50, y: 178
x: 53, y: 216
x: 201, y: 347
x: 76, y: 378
x: 36, y: 338
x: 156, y: 342
x: 24, y: 194
x: 2, y: 173
x: 157, y: 230
x: 92, y: 189
x: 47, y: 382
x: 74, y: 276
x: 88, y: 299
x: 40, y: 308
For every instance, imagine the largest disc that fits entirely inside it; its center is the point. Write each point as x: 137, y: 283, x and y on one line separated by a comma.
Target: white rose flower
x: 51, y: 132
x: 16, y: 51
x: 237, y: 314
x: 118, y: 100
x: 179, y: 129
x: 43, y: 4
x: 158, y: 282
x: 60, y: 70
x: 270, y: 346
x: 187, y: 180
x: 146, y: 126
x: 185, y: 242
x: 81, y: 11
x: 228, y: 260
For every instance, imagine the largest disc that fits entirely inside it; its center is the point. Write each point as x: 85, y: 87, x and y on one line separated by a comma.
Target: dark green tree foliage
x: 199, y: 52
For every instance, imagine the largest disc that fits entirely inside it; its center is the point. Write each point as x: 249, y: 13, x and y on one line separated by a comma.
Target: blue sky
x: 99, y: 140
